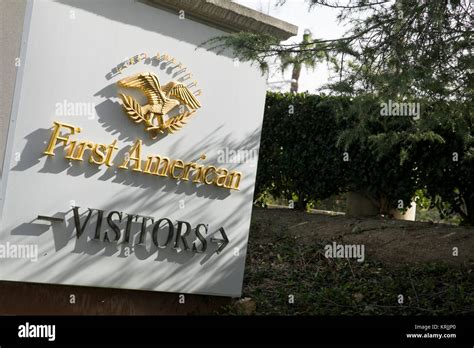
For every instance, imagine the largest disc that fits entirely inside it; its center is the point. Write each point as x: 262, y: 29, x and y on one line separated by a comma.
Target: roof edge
x: 230, y: 16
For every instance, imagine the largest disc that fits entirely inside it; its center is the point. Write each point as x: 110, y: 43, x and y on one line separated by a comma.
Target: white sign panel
x: 132, y: 152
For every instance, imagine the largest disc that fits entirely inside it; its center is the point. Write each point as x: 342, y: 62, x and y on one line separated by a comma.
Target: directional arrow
x: 50, y: 218
x: 221, y: 243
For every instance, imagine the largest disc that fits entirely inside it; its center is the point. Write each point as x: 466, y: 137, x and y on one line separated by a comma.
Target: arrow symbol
x: 50, y: 218
x: 221, y: 243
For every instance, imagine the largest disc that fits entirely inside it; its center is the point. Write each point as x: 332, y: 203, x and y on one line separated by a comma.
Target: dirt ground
x: 393, y: 242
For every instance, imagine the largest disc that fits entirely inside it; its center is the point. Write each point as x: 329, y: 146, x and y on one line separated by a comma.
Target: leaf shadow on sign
x: 223, y: 268
x: 32, y: 155
x: 221, y: 272
x: 222, y: 276
x: 35, y: 144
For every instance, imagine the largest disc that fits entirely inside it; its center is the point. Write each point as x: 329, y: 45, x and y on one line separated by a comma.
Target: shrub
x: 298, y: 154
x: 307, y: 140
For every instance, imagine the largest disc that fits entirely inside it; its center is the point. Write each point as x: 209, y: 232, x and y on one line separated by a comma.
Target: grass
x: 320, y: 286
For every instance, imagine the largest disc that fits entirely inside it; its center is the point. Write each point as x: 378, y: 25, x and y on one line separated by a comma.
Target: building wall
x: 12, y: 13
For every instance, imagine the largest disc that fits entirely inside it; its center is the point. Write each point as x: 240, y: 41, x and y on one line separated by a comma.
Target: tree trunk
x: 295, y: 76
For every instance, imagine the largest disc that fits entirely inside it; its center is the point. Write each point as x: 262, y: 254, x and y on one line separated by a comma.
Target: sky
x: 322, y: 23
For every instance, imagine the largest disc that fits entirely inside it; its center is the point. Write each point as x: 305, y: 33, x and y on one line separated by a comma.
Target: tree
x: 297, y: 60
x: 415, y: 47
x: 402, y: 51
x: 294, y: 163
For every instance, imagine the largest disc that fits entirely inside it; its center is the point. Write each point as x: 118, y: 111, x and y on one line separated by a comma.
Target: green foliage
x: 421, y: 199
x: 403, y: 51
x: 245, y: 46
x: 447, y: 168
x: 303, y: 153
x: 418, y: 49
x: 298, y: 154
x: 412, y: 48
x: 392, y: 157
x: 308, y: 55
x: 389, y: 158
x: 383, y: 152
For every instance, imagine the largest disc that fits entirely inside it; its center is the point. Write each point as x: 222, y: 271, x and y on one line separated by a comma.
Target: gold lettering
x: 155, y: 165
x: 198, y: 177
x: 206, y: 173
x: 57, y: 138
x: 70, y: 151
x: 83, y: 146
x: 96, y: 152
x: 187, y: 167
x: 158, y: 160
x: 110, y: 150
x: 231, y: 185
x: 221, y: 177
x: 176, y: 164
x: 135, y: 155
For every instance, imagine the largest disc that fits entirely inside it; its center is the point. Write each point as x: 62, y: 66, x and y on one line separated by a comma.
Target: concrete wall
x: 12, y: 14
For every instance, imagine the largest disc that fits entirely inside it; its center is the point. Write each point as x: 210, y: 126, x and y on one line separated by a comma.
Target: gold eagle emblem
x: 161, y: 101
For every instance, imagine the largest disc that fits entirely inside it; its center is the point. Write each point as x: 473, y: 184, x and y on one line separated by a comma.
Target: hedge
x: 316, y: 146
x: 298, y: 152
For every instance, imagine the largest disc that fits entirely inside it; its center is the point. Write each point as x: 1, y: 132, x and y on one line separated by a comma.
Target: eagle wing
x: 182, y: 93
x: 148, y: 83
